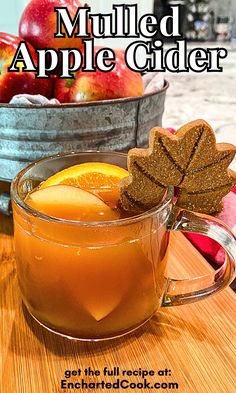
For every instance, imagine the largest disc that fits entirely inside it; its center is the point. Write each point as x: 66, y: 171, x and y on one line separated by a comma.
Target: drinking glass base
x: 70, y: 337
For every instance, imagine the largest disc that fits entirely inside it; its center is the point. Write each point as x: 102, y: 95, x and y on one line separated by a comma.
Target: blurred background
x: 203, y: 20
x: 206, y: 23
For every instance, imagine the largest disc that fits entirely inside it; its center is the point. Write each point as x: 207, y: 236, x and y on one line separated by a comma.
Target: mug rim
x: 167, y: 198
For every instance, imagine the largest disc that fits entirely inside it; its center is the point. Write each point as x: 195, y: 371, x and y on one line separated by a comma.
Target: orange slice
x: 99, y: 178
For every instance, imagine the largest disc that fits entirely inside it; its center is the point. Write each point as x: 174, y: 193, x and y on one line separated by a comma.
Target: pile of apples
x: 37, y: 28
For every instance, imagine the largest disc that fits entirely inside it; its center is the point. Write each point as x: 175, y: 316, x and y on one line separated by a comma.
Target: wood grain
x: 196, y: 342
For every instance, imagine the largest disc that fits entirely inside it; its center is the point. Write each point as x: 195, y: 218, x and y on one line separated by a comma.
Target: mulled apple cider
x: 86, y: 268
x: 91, y: 238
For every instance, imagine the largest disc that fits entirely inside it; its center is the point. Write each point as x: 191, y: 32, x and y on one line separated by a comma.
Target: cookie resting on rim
x: 189, y: 160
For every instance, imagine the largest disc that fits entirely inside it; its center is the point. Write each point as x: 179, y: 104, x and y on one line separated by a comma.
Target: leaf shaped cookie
x: 190, y: 160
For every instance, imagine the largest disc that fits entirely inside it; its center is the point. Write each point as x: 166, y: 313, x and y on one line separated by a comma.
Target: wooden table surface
x: 196, y: 343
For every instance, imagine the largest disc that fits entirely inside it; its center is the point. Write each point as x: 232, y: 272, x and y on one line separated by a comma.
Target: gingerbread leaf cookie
x: 189, y: 160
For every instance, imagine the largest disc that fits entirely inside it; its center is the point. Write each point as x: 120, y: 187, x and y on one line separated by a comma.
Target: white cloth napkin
x: 153, y: 82
x: 28, y: 99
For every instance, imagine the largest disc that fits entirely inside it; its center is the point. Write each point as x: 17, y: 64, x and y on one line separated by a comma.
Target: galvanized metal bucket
x: 28, y: 133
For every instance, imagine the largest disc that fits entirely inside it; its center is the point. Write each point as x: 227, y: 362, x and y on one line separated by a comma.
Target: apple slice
x: 102, y: 309
x: 70, y: 203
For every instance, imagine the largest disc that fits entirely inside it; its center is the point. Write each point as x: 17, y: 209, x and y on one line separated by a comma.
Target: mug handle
x: 178, y: 292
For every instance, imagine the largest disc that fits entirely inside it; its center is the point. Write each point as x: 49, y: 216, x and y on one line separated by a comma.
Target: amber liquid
x: 90, y: 283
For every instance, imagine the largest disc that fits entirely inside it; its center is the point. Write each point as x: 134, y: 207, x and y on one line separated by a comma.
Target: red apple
x: 38, y: 24
x: 121, y: 82
x: 12, y: 83
x: 172, y: 130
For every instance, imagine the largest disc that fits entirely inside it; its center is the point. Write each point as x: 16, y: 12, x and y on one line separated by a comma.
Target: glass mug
x: 101, y: 280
